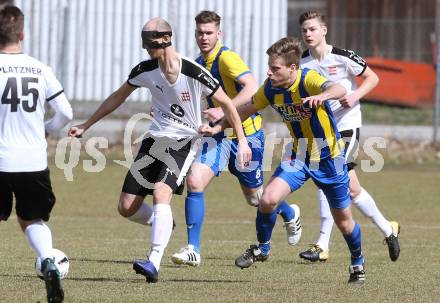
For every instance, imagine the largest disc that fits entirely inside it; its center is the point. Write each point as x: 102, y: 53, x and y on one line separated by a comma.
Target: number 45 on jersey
x: 27, y: 99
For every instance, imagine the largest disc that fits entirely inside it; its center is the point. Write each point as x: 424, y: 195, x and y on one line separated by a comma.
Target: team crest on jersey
x: 177, y: 110
x: 332, y: 70
x: 185, y: 96
x: 293, y: 112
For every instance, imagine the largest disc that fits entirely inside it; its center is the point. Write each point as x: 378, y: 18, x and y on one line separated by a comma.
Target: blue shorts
x: 331, y: 176
x: 218, y: 152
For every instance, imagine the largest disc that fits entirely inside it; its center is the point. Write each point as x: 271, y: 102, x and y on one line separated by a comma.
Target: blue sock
x: 285, y: 211
x: 264, y: 225
x: 354, y: 244
x: 194, y: 215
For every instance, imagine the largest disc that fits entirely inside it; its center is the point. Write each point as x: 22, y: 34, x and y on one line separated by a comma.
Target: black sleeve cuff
x: 55, y: 95
x: 213, y: 91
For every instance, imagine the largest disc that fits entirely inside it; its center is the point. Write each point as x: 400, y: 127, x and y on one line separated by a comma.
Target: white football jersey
x: 178, y: 106
x: 26, y: 85
x: 340, y: 66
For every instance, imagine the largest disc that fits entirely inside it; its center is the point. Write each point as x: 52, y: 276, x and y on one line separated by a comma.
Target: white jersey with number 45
x: 26, y: 85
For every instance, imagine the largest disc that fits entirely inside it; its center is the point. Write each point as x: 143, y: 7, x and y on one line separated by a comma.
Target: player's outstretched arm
x: 330, y: 90
x: 244, y: 111
x: 109, y: 105
x: 231, y: 114
x: 249, y: 88
x: 63, y: 114
x: 369, y: 81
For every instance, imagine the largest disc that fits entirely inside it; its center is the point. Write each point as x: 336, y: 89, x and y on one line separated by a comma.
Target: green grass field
x: 374, y: 113
x: 102, y: 245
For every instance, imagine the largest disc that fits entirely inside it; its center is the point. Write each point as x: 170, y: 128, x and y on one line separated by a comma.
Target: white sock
x: 325, y: 230
x: 144, y: 215
x: 368, y: 207
x: 40, y: 238
x: 161, y: 233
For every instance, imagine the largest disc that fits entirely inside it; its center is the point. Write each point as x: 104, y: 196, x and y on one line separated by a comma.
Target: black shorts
x: 160, y: 159
x: 351, y: 139
x: 34, y: 198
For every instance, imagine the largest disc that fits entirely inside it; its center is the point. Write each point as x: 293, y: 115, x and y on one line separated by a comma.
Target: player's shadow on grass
x: 106, y: 279
x: 218, y: 258
x: 142, y: 281
x: 96, y: 279
x: 207, y: 281
x: 230, y: 262
x: 271, y: 260
x: 20, y: 276
x: 296, y: 262
x: 101, y: 261
x: 125, y: 280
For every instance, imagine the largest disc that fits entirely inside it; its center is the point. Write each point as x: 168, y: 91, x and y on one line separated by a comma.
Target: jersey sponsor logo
x: 172, y: 118
x: 185, y: 96
x: 293, y: 112
x: 177, y: 110
x: 352, y: 55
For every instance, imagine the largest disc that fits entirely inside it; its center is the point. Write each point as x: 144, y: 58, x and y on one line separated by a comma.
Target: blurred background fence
x: 394, y: 29
x: 92, y: 45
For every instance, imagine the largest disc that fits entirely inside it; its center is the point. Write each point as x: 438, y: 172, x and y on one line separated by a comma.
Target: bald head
x: 156, y: 34
x: 157, y: 24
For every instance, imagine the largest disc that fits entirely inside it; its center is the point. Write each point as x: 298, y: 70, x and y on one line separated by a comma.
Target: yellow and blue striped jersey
x: 227, y: 67
x: 313, y: 129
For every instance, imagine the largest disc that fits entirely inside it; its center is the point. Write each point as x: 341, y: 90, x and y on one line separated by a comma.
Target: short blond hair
x: 311, y: 15
x: 288, y: 48
x: 208, y: 17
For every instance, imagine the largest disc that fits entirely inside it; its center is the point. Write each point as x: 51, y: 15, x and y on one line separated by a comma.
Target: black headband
x: 147, y: 37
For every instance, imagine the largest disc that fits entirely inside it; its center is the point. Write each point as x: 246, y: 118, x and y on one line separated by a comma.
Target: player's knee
x: 345, y: 228
x: 194, y: 183
x: 25, y: 223
x: 254, y: 198
x: 345, y: 225
x: 125, y: 206
x: 344, y: 220
x: 267, y: 203
x: 124, y: 210
x: 162, y: 193
x: 355, y: 186
x: 355, y: 192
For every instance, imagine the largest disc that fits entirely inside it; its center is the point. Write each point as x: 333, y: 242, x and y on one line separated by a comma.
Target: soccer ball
x: 61, y: 262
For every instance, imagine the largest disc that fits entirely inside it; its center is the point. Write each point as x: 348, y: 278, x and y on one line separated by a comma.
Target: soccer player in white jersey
x: 342, y: 66
x: 26, y: 85
x: 177, y: 85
